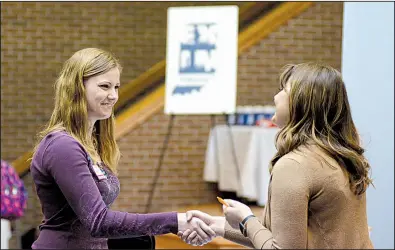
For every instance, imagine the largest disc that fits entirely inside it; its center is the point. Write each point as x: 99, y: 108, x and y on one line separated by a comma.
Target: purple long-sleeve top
x: 75, y: 200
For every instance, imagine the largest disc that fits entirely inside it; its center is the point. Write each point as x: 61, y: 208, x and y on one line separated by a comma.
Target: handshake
x: 197, y: 228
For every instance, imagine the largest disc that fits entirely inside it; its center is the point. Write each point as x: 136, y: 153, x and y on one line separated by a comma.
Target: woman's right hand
x: 201, y: 231
x: 216, y: 223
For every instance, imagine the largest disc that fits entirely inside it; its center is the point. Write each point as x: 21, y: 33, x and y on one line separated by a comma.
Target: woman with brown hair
x: 319, y: 175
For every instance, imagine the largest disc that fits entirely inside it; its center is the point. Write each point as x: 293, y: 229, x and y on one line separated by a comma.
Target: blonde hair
x: 320, y: 112
x: 71, y: 112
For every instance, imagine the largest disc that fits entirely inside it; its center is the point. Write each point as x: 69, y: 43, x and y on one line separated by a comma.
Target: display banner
x: 201, y: 60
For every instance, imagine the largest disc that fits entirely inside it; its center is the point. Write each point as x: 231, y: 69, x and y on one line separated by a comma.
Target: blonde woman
x: 319, y: 176
x: 74, y: 164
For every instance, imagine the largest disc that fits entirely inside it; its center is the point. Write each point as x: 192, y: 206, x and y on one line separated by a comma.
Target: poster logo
x: 198, y: 50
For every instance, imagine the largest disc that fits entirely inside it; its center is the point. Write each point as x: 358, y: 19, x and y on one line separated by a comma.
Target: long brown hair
x: 70, y: 112
x: 320, y: 112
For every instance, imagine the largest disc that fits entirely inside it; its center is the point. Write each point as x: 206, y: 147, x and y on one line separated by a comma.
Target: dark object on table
x: 143, y: 242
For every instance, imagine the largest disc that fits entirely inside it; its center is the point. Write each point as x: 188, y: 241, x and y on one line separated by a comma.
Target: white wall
x: 368, y: 71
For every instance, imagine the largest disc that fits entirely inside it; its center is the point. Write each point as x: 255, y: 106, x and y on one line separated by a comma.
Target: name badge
x: 99, y: 173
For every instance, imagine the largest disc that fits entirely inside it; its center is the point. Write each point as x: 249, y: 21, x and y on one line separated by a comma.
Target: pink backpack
x: 13, y: 193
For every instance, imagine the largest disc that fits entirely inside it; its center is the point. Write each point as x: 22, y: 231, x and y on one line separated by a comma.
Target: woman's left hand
x: 236, y: 212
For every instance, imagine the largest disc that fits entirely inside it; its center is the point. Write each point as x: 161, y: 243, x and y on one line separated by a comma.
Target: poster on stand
x: 201, y: 60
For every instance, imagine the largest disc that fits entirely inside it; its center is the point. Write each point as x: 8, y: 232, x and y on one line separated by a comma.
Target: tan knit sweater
x: 310, y: 205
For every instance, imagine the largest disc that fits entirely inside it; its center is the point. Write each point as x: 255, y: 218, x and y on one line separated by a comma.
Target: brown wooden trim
x: 140, y: 112
x: 245, y: 10
x: 22, y: 163
x: 251, y: 11
x: 131, y: 89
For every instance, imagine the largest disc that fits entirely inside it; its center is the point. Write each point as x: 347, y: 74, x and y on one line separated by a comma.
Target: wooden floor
x: 171, y: 241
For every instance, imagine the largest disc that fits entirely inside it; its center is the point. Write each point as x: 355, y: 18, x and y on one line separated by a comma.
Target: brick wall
x: 37, y: 37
